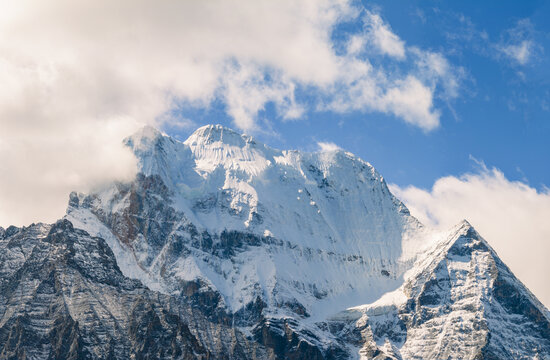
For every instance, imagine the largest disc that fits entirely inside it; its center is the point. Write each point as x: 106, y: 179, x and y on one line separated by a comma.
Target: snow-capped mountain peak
x: 328, y: 221
x: 458, y: 301
x: 281, y: 241
x: 215, y: 145
x: 210, y: 134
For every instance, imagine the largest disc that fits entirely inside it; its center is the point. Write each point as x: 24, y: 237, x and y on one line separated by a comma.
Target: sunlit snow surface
x: 339, y: 225
x: 328, y: 234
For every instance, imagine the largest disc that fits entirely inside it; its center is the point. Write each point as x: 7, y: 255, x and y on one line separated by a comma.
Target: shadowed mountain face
x: 225, y: 248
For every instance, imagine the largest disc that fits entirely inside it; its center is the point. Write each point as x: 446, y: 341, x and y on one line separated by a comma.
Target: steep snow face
x: 230, y: 181
x: 459, y: 301
x: 304, y: 232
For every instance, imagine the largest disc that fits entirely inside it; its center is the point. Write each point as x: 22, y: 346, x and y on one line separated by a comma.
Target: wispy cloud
x: 407, y: 92
x: 517, y: 44
x: 521, y: 52
x: 511, y: 215
x: 381, y: 36
x: 435, y: 69
x: 328, y: 146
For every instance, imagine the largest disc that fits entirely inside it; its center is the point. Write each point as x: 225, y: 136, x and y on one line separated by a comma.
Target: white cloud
x: 511, y: 215
x: 521, y: 52
x: 413, y: 101
x: 436, y: 70
x: 517, y: 44
x: 246, y: 92
x: 408, y: 98
x: 356, y: 44
x: 381, y: 36
x: 42, y: 165
x: 328, y: 146
x: 78, y: 76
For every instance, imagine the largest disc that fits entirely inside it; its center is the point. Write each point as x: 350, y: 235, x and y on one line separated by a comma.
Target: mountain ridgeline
x: 224, y: 248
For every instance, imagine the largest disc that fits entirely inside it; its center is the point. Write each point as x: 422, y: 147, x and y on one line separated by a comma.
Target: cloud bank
x: 511, y: 215
x: 78, y: 76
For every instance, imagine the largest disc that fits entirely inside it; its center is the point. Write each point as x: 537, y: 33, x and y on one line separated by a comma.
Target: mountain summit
x: 223, y: 247
x: 320, y: 228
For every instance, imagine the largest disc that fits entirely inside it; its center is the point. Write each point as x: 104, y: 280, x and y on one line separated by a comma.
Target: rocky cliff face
x: 225, y: 248
x: 62, y: 296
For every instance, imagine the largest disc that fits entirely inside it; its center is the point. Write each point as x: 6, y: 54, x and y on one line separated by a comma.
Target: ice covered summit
x: 223, y: 247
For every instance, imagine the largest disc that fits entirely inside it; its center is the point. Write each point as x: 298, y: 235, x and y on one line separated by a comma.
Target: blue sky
x: 501, y: 115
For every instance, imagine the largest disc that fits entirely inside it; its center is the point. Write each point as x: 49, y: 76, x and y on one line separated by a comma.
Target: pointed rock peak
x: 461, y: 240
x: 464, y: 228
x: 465, y: 224
x: 11, y: 230
x: 59, y: 231
x: 61, y: 225
x: 210, y: 134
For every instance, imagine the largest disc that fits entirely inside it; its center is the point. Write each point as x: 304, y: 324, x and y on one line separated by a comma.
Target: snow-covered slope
x: 324, y: 229
x: 280, y: 243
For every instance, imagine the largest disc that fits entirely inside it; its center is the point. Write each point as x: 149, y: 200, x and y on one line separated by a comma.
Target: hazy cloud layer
x: 78, y: 76
x: 511, y: 215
